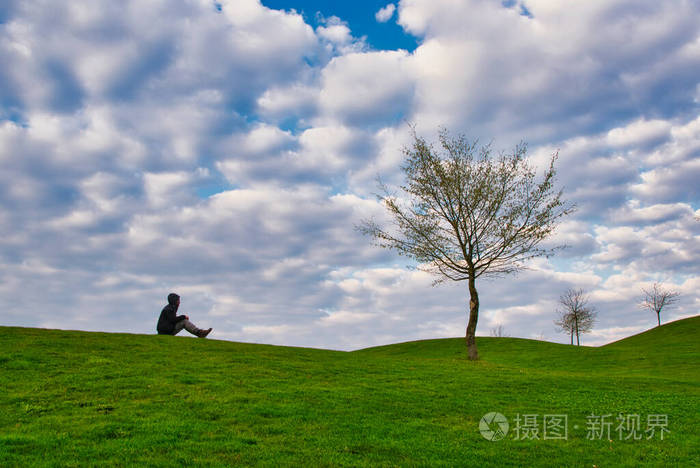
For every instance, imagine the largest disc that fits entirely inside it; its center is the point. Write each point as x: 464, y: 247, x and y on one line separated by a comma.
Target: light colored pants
x: 187, y: 325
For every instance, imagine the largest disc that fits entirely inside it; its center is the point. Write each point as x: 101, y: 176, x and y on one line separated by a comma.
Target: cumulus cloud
x: 556, y: 76
x: 639, y: 132
x: 384, y: 14
x: 335, y: 31
x: 336, y: 35
x: 297, y: 101
x: 670, y: 183
x: 669, y: 243
x: 371, y: 88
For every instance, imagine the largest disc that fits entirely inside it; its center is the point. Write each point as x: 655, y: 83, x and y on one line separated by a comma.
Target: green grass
x: 96, y: 399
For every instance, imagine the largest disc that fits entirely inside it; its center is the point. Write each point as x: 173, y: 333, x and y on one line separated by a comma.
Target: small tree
x: 575, y: 315
x: 565, y: 323
x: 499, y: 332
x: 468, y: 214
x: 656, y: 298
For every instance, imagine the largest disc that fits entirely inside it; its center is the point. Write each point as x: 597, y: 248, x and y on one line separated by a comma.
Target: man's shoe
x: 204, y: 333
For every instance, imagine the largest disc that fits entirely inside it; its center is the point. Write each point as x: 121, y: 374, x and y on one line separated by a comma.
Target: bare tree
x: 565, y: 323
x: 468, y: 214
x: 656, y: 298
x: 499, y: 332
x: 576, y: 316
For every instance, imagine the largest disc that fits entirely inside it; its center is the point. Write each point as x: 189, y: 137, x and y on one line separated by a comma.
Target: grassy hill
x: 78, y: 398
x: 662, y: 351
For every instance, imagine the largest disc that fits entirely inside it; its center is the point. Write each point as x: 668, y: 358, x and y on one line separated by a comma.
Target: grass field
x: 98, y: 399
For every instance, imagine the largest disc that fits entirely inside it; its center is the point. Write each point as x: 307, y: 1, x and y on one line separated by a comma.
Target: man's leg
x: 187, y: 325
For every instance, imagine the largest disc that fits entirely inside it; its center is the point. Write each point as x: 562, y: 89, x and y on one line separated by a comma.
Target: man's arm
x: 173, y: 318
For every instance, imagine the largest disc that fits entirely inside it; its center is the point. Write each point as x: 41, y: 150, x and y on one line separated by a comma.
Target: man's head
x: 173, y: 299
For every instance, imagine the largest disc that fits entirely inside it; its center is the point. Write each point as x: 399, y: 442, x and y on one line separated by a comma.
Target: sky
x: 226, y: 150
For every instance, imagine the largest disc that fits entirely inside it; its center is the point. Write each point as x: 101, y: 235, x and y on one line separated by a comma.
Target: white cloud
x: 367, y: 88
x: 656, y: 239
x: 337, y: 33
x: 634, y: 213
x: 326, y: 146
x: 317, y: 154
x: 262, y: 139
x: 670, y: 183
x: 296, y: 100
x: 498, y: 73
x: 639, y: 132
x: 384, y: 14
x: 165, y: 189
x: 576, y: 237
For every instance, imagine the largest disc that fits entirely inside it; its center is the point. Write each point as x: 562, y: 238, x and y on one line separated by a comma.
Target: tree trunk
x: 576, y: 321
x: 473, y: 318
x: 572, y: 337
x: 658, y: 319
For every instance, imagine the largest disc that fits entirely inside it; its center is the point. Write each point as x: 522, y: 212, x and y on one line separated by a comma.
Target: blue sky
x: 225, y: 150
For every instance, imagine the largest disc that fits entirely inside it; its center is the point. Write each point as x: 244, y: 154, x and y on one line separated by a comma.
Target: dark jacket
x: 168, y: 317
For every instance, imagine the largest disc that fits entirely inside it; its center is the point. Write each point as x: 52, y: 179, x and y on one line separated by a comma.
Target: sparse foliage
x: 466, y: 213
x: 657, y: 298
x: 498, y: 331
x: 575, y: 315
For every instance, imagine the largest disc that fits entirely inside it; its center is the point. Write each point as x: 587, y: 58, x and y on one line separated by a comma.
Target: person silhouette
x: 169, y: 323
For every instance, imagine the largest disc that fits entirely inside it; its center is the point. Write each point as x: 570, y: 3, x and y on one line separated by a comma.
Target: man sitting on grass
x: 170, y: 324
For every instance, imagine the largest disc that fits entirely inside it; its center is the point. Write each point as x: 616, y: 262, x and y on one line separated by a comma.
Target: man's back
x: 168, y: 316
